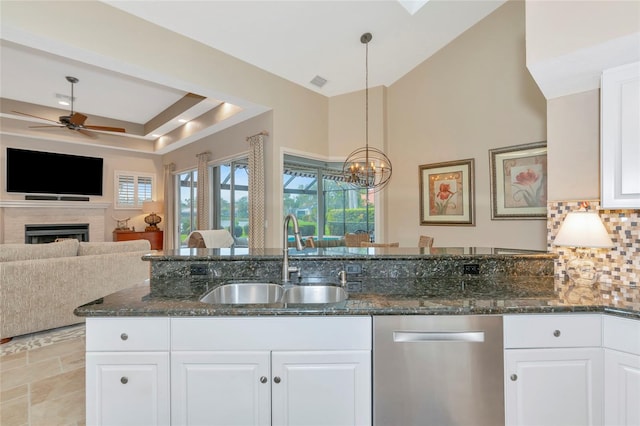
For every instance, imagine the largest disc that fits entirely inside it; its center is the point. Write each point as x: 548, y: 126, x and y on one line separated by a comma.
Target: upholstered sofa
x: 41, y: 284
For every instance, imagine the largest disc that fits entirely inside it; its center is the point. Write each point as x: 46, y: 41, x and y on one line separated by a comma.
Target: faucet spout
x: 286, y: 269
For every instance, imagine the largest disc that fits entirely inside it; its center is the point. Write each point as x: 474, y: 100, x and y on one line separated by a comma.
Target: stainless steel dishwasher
x: 438, y: 370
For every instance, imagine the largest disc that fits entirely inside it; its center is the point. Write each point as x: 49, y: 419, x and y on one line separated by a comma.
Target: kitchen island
x: 159, y: 355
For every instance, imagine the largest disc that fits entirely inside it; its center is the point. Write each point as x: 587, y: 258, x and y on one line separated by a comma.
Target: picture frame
x: 519, y: 181
x: 447, y: 193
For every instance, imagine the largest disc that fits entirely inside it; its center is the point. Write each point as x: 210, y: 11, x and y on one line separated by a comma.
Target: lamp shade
x: 152, y: 207
x: 583, y: 229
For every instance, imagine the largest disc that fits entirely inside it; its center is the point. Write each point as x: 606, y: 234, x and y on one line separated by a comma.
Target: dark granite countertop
x: 477, y: 295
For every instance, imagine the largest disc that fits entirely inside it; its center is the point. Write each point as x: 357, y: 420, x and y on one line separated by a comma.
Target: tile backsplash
x: 619, y: 282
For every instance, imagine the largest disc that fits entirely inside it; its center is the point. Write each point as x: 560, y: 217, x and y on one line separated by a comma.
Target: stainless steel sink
x: 314, y: 294
x: 244, y: 293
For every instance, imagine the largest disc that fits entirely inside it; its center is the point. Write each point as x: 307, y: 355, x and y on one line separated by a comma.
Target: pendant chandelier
x: 367, y: 168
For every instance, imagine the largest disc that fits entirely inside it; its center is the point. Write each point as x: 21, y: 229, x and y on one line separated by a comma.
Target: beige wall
x: 556, y: 28
x: 574, y: 147
x: 473, y: 95
x: 347, y: 118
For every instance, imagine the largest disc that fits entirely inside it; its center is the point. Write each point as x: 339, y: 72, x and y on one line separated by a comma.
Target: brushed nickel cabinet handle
x: 276, y: 379
x: 556, y: 333
x: 124, y: 336
x: 124, y: 380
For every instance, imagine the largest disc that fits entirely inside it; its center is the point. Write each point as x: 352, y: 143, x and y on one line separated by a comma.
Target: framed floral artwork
x: 519, y: 181
x: 447, y: 193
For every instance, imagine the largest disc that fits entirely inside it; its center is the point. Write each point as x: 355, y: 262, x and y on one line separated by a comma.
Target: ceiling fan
x: 75, y: 120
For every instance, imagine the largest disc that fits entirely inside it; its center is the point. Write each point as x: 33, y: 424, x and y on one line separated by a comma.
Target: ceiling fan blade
x: 35, y: 116
x: 106, y: 128
x: 39, y: 127
x: 86, y: 133
x: 77, y: 119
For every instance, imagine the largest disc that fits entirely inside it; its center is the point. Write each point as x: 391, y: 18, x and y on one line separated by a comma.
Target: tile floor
x: 42, y: 379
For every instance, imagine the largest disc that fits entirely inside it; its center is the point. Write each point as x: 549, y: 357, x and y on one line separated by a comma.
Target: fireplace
x: 47, y: 233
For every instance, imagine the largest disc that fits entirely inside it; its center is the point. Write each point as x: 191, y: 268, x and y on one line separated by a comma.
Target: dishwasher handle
x: 438, y: 336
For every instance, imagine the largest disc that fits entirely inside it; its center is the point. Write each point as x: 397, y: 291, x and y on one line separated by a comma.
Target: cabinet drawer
x: 621, y: 334
x: 552, y: 331
x: 128, y: 334
x: 275, y: 333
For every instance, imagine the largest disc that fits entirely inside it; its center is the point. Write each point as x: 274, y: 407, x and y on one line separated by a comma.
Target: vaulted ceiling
x: 296, y: 40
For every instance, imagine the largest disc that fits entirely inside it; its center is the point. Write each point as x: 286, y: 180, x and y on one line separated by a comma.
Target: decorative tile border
x: 619, y: 283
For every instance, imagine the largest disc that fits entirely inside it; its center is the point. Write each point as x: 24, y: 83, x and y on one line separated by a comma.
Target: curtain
x: 256, y: 190
x: 170, y: 207
x: 203, y: 190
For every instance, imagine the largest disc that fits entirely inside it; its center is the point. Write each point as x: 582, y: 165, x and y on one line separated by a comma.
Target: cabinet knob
x: 276, y: 379
x: 124, y: 336
x: 124, y: 380
x: 556, y: 333
x: 514, y: 377
x: 263, y: 379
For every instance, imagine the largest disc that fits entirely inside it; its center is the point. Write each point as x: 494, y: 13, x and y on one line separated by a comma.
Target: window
x: 325, y: 206
x: 133, y: 188
x: 231, y: 196
x: 188, y: 202
x: 229, y: 201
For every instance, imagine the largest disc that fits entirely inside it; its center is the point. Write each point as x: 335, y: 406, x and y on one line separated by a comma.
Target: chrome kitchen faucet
x: 286, y: 269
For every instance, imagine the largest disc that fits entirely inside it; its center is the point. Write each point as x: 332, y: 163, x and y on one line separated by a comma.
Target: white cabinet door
x: 321, y: 388
x: 220, y: 388
x: 620, y: 139
x: 127, y: 388
x: 621, y: 388
x: 553, y: 386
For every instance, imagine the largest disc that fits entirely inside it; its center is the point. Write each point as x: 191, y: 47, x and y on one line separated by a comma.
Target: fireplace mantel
x: 44, y: 204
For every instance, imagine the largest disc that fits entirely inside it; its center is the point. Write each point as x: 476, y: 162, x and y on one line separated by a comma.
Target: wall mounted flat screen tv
x: 38, y: 172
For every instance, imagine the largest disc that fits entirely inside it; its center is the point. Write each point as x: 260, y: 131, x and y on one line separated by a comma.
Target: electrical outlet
x: 471, y: 269
x: 353, y: 268
x: 198, y: 269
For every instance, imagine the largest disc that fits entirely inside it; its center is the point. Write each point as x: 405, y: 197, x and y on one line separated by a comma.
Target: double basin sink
x: 269, y: 293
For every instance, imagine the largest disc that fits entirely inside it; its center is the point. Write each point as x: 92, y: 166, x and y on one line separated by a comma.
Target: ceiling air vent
x: 318, y: 81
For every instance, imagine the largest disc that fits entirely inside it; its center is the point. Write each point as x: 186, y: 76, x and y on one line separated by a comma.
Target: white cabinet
x: 127, y: 371
x: 321, y: 388
x: 282, y: 371
x: 620, y: 137
x: 621, y: 371
x: 221, y: 388
x: 553, y: 369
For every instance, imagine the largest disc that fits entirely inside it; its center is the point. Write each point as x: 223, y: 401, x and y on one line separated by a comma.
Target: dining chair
x: 425, y: 241
x: 309, y: 242
x: 368, y: 244
x: 354, y: 240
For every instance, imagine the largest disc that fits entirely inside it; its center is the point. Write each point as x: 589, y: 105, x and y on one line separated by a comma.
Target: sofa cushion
x: 88, y: 248
x: 12, y: 252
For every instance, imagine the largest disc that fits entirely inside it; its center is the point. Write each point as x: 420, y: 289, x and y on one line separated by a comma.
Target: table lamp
x: 582, y: 230
x: 153, y: 219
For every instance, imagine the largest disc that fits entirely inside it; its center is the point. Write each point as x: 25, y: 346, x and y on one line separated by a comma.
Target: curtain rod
x: 263, y: 133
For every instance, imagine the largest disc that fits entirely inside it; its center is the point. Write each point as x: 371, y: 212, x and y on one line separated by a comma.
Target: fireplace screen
x: 40, y: 234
